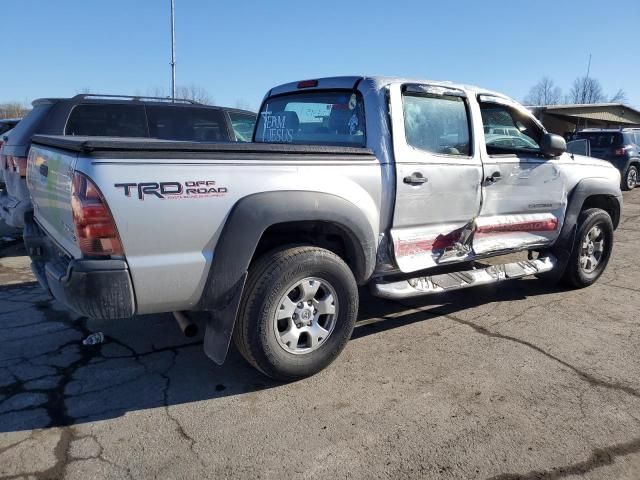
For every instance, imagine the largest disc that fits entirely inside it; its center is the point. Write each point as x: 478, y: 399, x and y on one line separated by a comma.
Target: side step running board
x: 464, y: 279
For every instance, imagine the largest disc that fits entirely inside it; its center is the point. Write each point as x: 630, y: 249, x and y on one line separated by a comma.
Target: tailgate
x: 49, y: 176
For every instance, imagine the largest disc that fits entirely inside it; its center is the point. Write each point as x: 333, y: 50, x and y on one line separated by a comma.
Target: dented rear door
x: 438, y: 173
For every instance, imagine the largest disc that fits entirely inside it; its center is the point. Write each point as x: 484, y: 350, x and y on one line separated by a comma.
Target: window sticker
x: 353, y: 124
x: 275, y: 127
x: 353, y: 101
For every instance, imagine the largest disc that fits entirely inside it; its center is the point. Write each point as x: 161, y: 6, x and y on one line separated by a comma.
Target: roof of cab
x: 351, y: 82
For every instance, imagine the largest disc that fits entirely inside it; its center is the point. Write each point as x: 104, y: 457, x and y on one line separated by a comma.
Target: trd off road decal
x: 174, y: 190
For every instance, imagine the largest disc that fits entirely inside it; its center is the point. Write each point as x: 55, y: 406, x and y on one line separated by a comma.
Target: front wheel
x: 297, y: 313
x: 591, y: 249
x: 630, y: 178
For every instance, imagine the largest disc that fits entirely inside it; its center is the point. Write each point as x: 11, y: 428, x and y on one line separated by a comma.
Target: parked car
x: 7, y: 124
x: 351, y: 181
x: 3, y: 137
x: 113, y: 116
x: 620, y: 147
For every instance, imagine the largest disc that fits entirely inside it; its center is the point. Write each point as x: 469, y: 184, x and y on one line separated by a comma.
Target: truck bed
x: 169, y: 147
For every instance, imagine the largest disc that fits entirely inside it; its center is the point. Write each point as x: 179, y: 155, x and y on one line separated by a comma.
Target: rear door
x: 438, y: 173
x: 523, y: 193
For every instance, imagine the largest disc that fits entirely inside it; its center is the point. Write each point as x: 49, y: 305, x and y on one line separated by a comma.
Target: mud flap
x: 217, y: 336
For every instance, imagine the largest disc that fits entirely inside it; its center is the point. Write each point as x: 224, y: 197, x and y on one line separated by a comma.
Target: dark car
x: 7, y: 124
x: 620, y: 147
x: 111, y: 116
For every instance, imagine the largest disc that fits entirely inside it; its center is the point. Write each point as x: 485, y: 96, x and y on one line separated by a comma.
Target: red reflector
x: 21, y: 165
x: 96, y: 232
x: 619, y: 152
x: 308, y: 83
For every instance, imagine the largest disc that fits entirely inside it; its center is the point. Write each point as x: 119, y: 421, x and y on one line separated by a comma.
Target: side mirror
x: 553, y: 145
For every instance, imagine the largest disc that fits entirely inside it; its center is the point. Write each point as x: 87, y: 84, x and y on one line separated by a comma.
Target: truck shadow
x: 48, y: 378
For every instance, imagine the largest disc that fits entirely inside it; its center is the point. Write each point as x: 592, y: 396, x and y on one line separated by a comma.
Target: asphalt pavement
x: 514, y: 381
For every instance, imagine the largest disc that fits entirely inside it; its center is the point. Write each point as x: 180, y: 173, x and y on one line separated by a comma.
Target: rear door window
x: 242, y: 125
x: 105, y: 120
x: 437, y: 123
x: 315, y: 118
x: 193, y: 124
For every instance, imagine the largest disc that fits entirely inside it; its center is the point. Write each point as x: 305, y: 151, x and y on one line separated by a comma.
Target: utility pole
x: 173, y: 52
x: 586, y: 83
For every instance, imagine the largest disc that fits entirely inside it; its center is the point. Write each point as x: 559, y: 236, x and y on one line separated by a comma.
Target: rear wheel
x: 630, y: 178
x: 297, y: 313
x: 591, y: 249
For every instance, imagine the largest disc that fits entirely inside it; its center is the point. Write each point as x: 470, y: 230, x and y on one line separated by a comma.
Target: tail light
x: 15, y: 164
x: 95, y: 229
x: 619, y: 152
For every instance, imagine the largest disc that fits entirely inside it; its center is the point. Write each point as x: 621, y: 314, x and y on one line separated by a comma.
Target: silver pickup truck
x: 404, y: 186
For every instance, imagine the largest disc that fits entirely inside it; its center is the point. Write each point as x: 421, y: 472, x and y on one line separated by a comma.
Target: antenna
x: 173, y: 52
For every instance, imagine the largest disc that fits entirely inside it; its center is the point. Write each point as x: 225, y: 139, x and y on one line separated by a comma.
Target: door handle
x: 495, y: 176
x: 415, y: 178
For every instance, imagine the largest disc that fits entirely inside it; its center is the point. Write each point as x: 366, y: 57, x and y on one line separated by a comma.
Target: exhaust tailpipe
x: 189, y: 329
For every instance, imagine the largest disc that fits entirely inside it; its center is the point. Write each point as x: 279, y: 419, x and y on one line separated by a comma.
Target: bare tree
x: 12, y: 110
x: 545, y: 92
x: 586, y: 90
x: 244, y: 105
x: 619, y: 97
x: 157, y: 92
x: 195, y: 93
x: 190, y: 92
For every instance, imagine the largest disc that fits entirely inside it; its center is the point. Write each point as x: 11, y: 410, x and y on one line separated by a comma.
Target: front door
x: 438, y: 173
x: 524, y: 194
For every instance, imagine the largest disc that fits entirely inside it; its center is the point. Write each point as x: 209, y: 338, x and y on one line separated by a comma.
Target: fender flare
x: 248, y: 220
x: 586, y: 188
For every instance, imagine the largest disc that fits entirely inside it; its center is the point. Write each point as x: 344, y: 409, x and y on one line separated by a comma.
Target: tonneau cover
x: 91, y: 144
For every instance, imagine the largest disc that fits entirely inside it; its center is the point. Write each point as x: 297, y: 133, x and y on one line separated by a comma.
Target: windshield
x: 316, y: 118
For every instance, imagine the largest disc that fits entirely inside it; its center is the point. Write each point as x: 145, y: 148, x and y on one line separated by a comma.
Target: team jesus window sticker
x: 274, y: 125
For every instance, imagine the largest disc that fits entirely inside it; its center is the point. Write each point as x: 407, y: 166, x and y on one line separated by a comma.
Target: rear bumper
x: 99, y: 289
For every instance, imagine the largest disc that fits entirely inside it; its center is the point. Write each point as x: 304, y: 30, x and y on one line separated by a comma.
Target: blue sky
x: 237, y: 50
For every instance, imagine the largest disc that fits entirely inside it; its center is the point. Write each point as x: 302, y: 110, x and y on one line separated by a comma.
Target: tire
x: 582, y: 272
x: 293, y: 273
x: 630, y: 178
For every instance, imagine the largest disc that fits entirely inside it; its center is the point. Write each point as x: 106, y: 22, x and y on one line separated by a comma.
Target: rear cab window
x: 327, y: 117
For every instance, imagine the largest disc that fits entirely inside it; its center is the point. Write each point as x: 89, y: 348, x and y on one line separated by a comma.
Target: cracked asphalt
x: 518, y: 381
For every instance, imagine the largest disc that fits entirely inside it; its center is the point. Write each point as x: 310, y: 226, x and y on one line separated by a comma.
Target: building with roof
x: 567, y: 119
